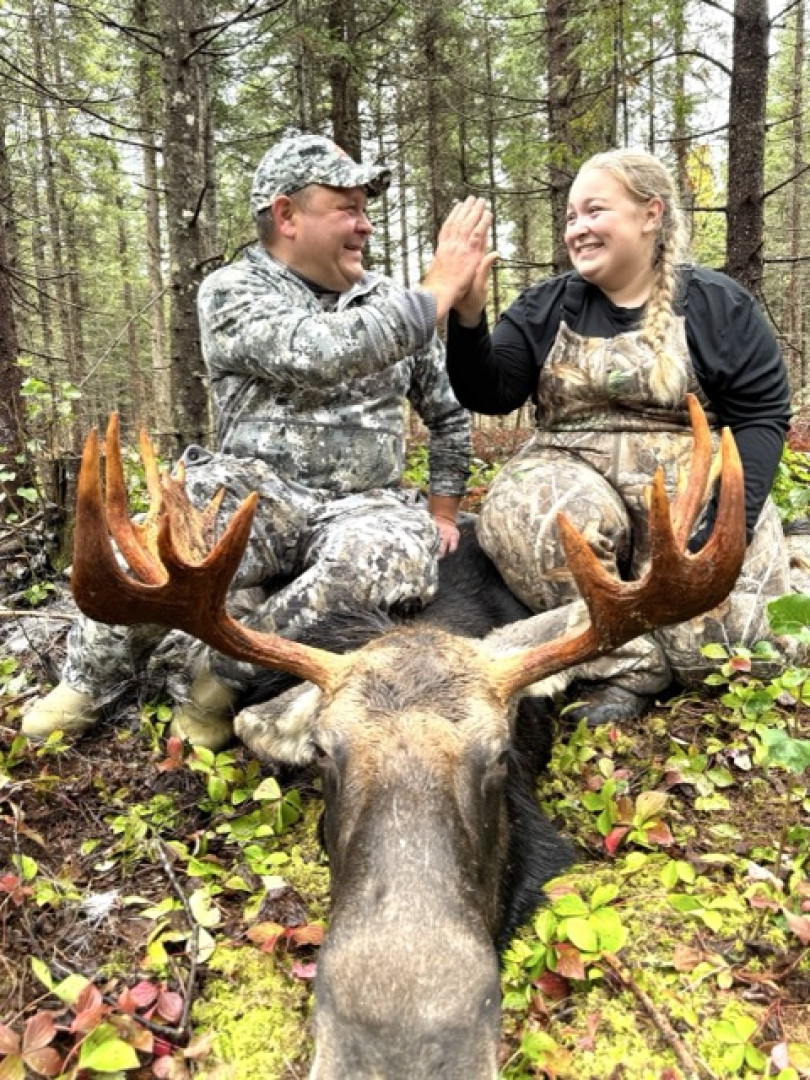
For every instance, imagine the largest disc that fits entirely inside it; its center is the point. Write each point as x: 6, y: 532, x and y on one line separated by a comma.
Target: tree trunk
x: 794, y: 308
x: 563, y: 80
x: 160, y: 418
x: 185, y: 177
x: 343, y: 76
x: 13, y: 470
x: 746, y: 144
x: 55, y: 229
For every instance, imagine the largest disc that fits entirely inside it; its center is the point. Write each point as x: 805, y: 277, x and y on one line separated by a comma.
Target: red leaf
x: 658, y: 833
x: 739, y: 663
x: 160, y: 1048
x: 144, y: 993
x: 800, y: 925
x: 89, y: 998
x: 763, y: 903
x: 569, y: 961
x: 200, y: 1046
x: 553, y: 986
x: 170, y: 1006
x: 9, y: 1040
x: 45, y: 1062
x: 39, y: 1031
x: 265, y: 934
x: 126, y: 1002
x: 89, y: 1019
x: 615, y: 837
x: 304, y: 971
x: 685, y: 958
x: 306, y: 935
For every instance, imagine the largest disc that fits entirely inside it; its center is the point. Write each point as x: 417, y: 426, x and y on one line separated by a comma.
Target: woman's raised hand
x: 460, y: 264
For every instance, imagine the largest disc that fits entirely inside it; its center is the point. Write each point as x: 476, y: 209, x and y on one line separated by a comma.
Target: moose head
x: 412, y: 733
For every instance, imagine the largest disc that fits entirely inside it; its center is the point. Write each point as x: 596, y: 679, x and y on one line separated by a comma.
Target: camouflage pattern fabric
x: 318, y: 393
x: 370, y: 551
x: 300, y: 160
x: 595, y: 466
x: 309, y: 392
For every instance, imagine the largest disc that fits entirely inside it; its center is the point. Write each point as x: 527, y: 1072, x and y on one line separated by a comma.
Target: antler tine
x: 189, y: 593
x: 692, y: 494
x: 676, y: 587
x: 136, y: 543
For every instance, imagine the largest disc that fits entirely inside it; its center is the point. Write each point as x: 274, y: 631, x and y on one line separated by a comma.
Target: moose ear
x: 280, y: 730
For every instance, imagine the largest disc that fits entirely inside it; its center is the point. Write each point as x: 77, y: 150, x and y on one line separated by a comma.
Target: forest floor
x: 160, y: 912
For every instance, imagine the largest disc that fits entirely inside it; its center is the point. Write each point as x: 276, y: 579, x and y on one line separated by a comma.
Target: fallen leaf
x: 569, y: 961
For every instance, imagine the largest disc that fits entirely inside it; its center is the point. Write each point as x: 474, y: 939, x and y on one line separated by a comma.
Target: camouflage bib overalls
x: 600, y: 437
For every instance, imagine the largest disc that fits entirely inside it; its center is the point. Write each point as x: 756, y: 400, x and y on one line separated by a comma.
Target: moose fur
x: 437, y: 848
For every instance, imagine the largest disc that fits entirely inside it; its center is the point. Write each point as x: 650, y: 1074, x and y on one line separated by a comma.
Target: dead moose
x: 415, y: 736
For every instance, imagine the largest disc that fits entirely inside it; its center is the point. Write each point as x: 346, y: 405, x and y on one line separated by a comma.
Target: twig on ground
x: 16, y: 613
x: 694, y: 1069
x: 194, y: 940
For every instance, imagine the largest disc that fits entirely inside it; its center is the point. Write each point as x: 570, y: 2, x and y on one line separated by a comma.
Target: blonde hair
x: 644, y: 178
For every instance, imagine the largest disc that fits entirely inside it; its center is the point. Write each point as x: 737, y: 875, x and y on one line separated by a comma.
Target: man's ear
x: 284, y: 215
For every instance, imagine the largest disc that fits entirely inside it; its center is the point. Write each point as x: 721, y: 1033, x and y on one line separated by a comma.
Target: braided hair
x: 644, y: 177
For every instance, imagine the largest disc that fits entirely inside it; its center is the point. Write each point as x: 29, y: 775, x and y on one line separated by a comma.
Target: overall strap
x: 572, y: 298
x: 681, y: 291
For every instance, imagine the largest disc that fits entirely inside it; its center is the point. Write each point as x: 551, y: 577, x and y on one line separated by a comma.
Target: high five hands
x: 458, y: 273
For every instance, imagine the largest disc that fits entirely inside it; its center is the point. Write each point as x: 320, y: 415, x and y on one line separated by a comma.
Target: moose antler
x: 677, y: 585
x: 182, y: 579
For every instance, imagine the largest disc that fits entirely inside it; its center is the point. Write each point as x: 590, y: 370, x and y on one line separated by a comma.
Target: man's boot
x: 63, y: 709
x: 606, y: 703
x: 206, y: 717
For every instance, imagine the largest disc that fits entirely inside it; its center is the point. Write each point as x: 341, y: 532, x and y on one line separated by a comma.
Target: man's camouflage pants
x: 370, y: 551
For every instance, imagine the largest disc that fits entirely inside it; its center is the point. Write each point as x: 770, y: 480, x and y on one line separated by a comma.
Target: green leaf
x: 726, y: 1032
x: 217, y: 789
x: 669, y: 874
x: 755, y: 1059
x: 684, y: 902
x: 545, y: 926
x: 713, y: 919
x: 649, y: 805
x: 104, y: 1052
x: 70, y: 988
x: 714, y: 651
x: 568, y: 905
x: 26, y: 867
x: 203, y: 909
x: 790, y: 615
x: 603, y: 895
x: 41, y: 971
x: 268, y: 789
x: 792, y: 754
x: 583, y: 934
x: 612, y: 935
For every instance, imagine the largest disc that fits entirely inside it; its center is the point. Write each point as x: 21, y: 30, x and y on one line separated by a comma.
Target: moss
x: 257, y: 1013
x: 307, y: 871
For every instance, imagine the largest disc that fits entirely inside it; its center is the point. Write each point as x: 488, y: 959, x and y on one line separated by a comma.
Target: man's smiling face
x: 328, y: 232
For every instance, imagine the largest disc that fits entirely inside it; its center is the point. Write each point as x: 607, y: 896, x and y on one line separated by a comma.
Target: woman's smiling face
x: 610, y: 235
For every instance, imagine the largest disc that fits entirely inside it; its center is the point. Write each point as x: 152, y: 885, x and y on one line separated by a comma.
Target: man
x: 310, y: 360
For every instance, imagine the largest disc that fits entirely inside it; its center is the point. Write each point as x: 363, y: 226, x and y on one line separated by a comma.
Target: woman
x: 606, y: 354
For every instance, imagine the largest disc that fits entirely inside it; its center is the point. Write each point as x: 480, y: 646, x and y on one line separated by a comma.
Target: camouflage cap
x: 295, y: 162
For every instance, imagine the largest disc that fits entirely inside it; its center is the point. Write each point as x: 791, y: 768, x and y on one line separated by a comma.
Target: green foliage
x: 791, y: 487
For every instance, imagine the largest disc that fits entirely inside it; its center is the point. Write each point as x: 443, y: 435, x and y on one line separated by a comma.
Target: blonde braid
x: 645, y: 178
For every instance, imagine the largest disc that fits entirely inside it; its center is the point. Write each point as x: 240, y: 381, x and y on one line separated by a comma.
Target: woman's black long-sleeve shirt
x: 734, y: 354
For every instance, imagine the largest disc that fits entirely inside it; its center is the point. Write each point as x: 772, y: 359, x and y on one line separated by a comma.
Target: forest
x: 160, y: 910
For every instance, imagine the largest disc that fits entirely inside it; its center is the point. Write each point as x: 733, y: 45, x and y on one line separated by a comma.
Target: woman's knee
x: 518, y: 526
